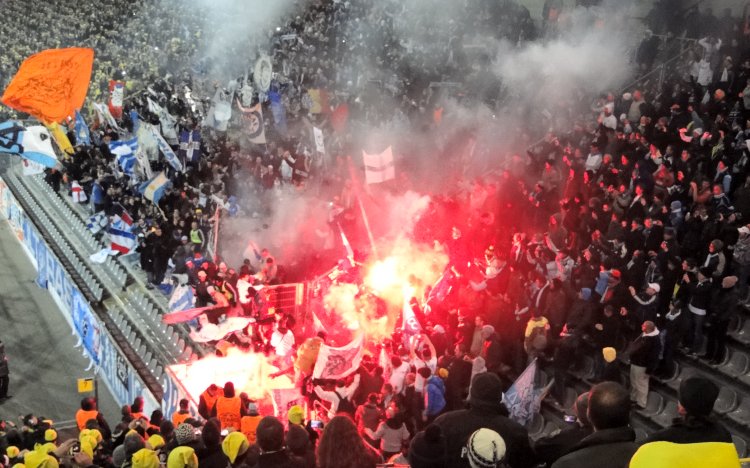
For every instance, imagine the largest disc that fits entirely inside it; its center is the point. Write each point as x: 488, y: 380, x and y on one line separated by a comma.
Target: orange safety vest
x: 83, y: 416
x: 228, y: 412
x: 137, y: 416
x: 249, y: 426
x: 210, y: 399
x: 179, y: 418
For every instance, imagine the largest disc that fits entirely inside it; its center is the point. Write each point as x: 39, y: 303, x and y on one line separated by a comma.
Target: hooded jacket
x: 434, y: 396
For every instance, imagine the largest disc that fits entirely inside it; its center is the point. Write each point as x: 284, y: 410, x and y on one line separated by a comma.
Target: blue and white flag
x: 124, y: 151
x: 410, y: 325
x: 33, y: 143
x: 154, y: 189
x: 165, y: 149
x: 83, y: 136
x: 181, y: 299
x: 97, y: 222
x: 190, y: 146
x: 278, y: 112
x: 121, y: 237
x: 523, y: 399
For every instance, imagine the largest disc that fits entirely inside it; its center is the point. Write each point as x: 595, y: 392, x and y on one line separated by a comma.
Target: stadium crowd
x: 632, y: 242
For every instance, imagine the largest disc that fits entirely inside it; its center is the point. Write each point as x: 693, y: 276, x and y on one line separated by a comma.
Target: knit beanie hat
x: 156, y: 441
x: 609, y: 353
x: 698, y: 395
x: 184, y: 434
x: 485, y: 449
x: 252, y: 409
x: 132, y: 443
x: 12, y: 451
x: 145, y: 458
x: 50, y: 435
x: 37, y: 459
x: 428, y: 449
x: 182, y: 457
x: 486, y: 391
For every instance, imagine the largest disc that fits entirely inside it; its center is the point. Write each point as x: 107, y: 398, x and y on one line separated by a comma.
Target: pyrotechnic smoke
x: 249, y: 372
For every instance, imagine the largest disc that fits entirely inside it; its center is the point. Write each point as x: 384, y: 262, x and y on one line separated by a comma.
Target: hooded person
x: 428, y: 449
x: 211, y: 454
x: 486, y: 411
x: 696, y: 398
x: 549, y: 449
x: 182, y: 457
x: 144, y: 458
x: 235, y: 447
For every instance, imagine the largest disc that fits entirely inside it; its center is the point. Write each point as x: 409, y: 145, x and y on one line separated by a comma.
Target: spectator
x: 549, y: 449
x: 235, y: 446
x: 341, y: 432
x: 644, y: 357
x: 486, y: 411
x: 722, y: 308
x: 211, y: 454
x: 428, y: 449
x: 612, y: 442
x: 485, y: 448
x: 392, y: 434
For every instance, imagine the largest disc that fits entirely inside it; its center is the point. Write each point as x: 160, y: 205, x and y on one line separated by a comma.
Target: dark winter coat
x: 612, y: 448
x: 691, y: 430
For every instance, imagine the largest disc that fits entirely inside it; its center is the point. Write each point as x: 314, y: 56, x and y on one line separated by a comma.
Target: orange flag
x: 51, y: 84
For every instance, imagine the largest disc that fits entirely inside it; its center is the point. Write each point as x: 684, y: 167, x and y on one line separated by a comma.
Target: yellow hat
x: 145, y: 458
x: 37, y: 459
x: 610, y: 354
x: 45, y: 448
x: 700, y: 455
x: 18, y: 465
x: 50, y: 435
x: 88, y: 445
x: 234, y: 445
x: 12, y: 451
x: 442, y: 373
x: 183, y: 457
x: 156, y: 441
x: 296, y: 414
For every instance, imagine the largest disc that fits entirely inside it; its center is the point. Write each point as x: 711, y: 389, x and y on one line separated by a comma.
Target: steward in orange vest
x: 228, y: 408
x: 208, y: 400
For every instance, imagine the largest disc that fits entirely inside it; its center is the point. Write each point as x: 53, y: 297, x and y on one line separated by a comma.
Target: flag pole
x: 358, y: 192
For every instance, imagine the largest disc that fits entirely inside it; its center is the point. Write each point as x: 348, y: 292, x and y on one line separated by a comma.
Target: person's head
x: 229, y: 390
x: 373, y: 398
x: 424, y: 372
x: 88, y: 404
x: 428, y: 449
x: 486, y: 392
x: 296, y: 415
x: 137, y: 405
x: 609, y: 406
x: 697, y: 396
x: 235, y: 444
x: 342, y: 432
x: 648, y: 326
x: 484, y: 449
x: 270, y: 434
x: 581, y: 408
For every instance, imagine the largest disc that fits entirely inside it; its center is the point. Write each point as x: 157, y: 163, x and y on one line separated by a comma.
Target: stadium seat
x: 742, y: 334
x: 654, y: 405
x: 742, y: 413
x: 684, y: 373
x: 536, y: 426
x: 738, y: 364
x: 667, y: 415
x: 727, y: 400
x: 740, y: 444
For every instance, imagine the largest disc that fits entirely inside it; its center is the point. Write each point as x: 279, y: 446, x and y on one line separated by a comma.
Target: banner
x: 220, y: 111
x: 120, y: 235
x: 262, y: 73
x: 337, y: 363
x: 105, y: 116
x: 33, y: 143
x: 409, y: 323
x: 52, y: 84
x: 124, y: 151
x: 31, y: 167
x: 166, y: 121
x: 190, y: 146
x: 319, y: 143
x: 181, y: 299
x: 523, y: 399
x: 83, y: 135
x: 61, y: 138
x: 284, y: 399
x: 154, y: 189
x: 186, y: 315
x: 165, y: 149
x: 379, y: 167
x: 253, y: 119
x: 116, y: 98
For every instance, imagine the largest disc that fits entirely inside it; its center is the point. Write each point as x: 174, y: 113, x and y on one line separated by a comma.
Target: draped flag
x: 337, y: 363
x: 154, y: 189
x: 523, y: 399
x: 181, y: 299
x: 252, y: 248
x: 61, y: 137
x: 83, y: 135
x: 51, y: 84
x: 320, y: 146
x: 409, y: 323
x: 253, y: 118
x: 116, y: 98
x: 190, y: 146
x: 96, y: 222
x: 278, y: 112
x: 187, y: 315
x: 164, y: 147
x: 105, y: 116
x: 121, y: 237
x: 124, y: 151
x: 77, y: 192
x: 31, y: 167
x: 379, y: 167
x: 33, y: 143
x: 167, y: 122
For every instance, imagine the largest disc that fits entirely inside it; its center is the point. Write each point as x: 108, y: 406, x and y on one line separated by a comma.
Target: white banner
x: 337, y: 363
